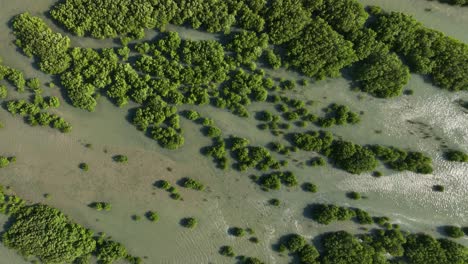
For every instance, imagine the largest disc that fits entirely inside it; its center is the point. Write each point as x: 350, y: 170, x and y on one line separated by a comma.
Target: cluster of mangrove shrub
x: 165, y: 185
x: 427, y: 51
x: 192, y: 184
x: 189, y: 222
x: 248, y: 46
x: 120, y: 158
x: 273, y: 181
x: 401, y: 160
x: 292, y: 25
x: 374, y: 247
x: 100, y: 206
x: 382, y: 74
x: 327, y: 213
x: 337, y: 115
x: 15, y: 77
x: 296, y: 244
x: 251, y: 156
x: 351, y: 157
x: 36, y: 39
x: 356, y: 159
x: 217, y: 150
x: 33, y: 112
x: 46, y: 233
x: 456, y: 155
x: 241, y: 89
x: 316, y: 162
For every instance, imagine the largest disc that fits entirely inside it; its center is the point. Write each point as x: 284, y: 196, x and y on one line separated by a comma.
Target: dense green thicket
x: 285, y: 19
x: 344, y: 16
x: 352, y: 158
x: 35, y: 38
x: 373, y: 247
x: 108, y: 18
x: 382, y: 74
x: 44, y: 232
x: 247, y: 46
x: 320, y: 51
x: 427, y: 51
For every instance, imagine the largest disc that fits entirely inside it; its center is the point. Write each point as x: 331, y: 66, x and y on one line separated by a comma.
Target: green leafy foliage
x: 189, y: 222
x: 285, y: 19
x: 382, y: 74
x: 427, y: 51
x: 111, y: 19
x: 327, y: 213
x: 192, y: 184
x: 456, y: 155
x: 35, y: 38
x: 454, y: 231
x: 320, y: 51
x: 342, y: 247
x: 352, y: 158
x: 247, y: 45
x: 227, y: 251
x: 343, y: 15
x: 274, y: 180
x: 41, y: 231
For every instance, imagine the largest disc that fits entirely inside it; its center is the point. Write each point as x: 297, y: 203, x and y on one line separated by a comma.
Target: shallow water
x: 48, y: 160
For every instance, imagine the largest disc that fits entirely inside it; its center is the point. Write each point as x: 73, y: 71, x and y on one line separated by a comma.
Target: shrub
x: 227, y: 251
x: 192, y: 184
x: 189, y: 222
x: 438, y: 188
x: 453, y: 231
x: 353, y: 195
x: 83, y: 166
x: 274, y: 202
x: 309, y: 187
x: 152, y: 216
x: 456, y: 155
x: 237, y: 231
x: 120, y: 158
